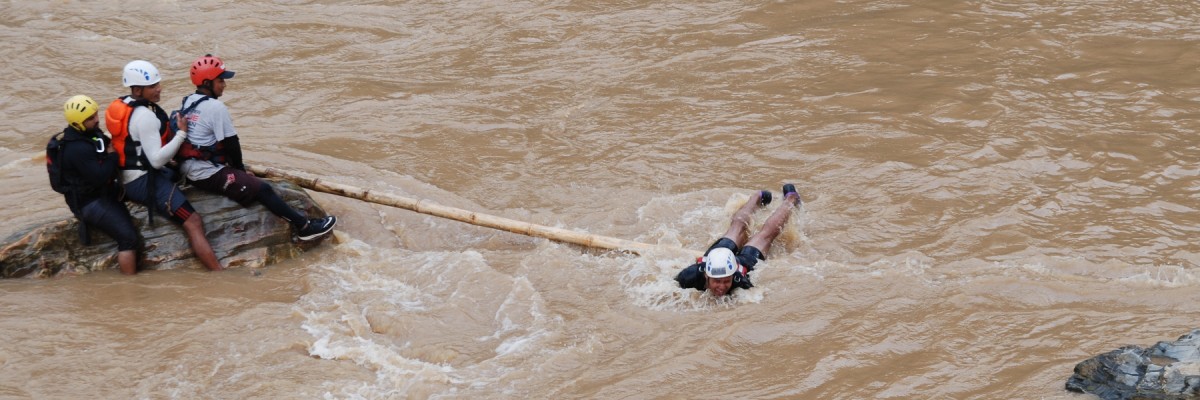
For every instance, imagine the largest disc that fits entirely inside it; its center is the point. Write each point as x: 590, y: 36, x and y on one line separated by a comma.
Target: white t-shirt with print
x: 208, y: 124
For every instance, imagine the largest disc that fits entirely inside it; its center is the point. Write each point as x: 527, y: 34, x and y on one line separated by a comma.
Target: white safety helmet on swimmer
x: 720, y: 263
x: 140, y: 73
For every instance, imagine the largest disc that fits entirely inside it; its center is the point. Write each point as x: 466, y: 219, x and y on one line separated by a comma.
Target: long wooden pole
x: 473, y: 218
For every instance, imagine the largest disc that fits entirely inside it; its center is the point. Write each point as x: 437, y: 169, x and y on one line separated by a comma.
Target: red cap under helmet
x: 208, y: 68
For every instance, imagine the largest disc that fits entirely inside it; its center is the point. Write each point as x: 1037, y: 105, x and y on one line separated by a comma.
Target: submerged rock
x: 240, y: 236
x: 1167, y: 370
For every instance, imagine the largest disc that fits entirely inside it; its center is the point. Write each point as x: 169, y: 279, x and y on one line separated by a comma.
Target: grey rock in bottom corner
x: 1166, y: 370
x: 240, y: 236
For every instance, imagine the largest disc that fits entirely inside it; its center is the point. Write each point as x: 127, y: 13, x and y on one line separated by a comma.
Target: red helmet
x: 208, y: 68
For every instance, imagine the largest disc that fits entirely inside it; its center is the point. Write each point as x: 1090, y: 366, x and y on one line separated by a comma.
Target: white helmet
x: 140, y: 73
x: 719, y: 263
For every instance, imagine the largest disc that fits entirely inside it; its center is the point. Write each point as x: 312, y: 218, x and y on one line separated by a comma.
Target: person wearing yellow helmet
x: 726, y: 265
x: 87, y: 169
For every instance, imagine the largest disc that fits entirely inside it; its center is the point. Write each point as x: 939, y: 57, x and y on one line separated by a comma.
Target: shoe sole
x: 317, y: 235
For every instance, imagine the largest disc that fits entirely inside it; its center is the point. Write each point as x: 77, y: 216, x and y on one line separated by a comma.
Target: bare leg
x: 194, y: 227
x: 739, y: 226
x: 127, y: 260
x: 774, y: 225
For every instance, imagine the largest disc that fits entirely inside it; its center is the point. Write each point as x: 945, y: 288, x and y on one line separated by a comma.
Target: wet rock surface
x: 240, y: 236
x: 1166, y: 370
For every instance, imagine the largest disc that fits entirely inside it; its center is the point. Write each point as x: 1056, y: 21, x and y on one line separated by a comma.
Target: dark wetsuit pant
x: 747, y: 256
x: 113, y: 219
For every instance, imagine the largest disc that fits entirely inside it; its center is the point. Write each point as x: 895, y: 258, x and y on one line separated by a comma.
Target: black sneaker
x: 765, y: 198
x: 789, y: 189
x: 316, y: 227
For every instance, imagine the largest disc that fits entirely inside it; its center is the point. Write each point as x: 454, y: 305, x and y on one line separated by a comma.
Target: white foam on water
x: 520, y: 310
x: 386, y: 310
x: 425, y: 323
x: 1167, y: 276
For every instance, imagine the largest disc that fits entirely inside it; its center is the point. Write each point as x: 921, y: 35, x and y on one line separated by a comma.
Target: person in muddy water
x: 726, y: 265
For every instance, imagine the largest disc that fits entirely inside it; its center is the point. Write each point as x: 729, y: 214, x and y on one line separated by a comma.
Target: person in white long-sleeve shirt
x: 137, y: 125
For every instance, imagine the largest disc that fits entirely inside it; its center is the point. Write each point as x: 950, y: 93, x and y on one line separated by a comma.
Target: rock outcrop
x: 1166, y: 370
x: 240, y: 236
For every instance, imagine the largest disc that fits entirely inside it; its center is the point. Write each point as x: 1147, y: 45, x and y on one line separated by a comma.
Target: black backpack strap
x: 188, y: 110
x: 152, y: 196
x: 84, y: 238
x: 63, y: 139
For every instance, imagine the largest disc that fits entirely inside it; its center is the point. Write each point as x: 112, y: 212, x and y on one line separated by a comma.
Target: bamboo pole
x: 473, y: 218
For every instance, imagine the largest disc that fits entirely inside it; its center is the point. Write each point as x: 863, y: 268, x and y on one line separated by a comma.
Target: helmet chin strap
x: 206, y: 88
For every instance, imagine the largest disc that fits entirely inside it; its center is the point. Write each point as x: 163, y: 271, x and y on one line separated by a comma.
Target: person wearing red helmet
x: 726, y: 265
x: 213, y: 154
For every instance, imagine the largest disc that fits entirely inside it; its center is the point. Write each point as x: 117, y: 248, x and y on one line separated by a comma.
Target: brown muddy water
x: 995, y: 191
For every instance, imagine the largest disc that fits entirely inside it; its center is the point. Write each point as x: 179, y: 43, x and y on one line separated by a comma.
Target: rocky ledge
x: 1166, y: 370
x: 240, y: 236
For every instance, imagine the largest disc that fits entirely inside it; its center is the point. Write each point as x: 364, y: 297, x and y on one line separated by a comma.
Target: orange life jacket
x: 116, y: 118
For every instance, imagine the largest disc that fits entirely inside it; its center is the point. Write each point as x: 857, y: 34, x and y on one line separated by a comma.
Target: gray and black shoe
x: 316, y: 227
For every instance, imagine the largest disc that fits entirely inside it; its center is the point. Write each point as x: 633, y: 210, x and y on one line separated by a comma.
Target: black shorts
x: 233, y: 183
x: 747, y: 256
x: 113, y: 219
x: 166, y: 199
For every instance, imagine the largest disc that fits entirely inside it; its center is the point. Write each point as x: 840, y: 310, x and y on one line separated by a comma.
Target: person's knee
x: 265, y: 191
x: 113, y: 219
x: 193, y: 222
x: 126, y: 234
x: 759, y: 244
x: 128, y: 243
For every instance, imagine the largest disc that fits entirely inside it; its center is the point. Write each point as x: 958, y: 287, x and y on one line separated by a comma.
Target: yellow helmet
x: 79, y: 109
